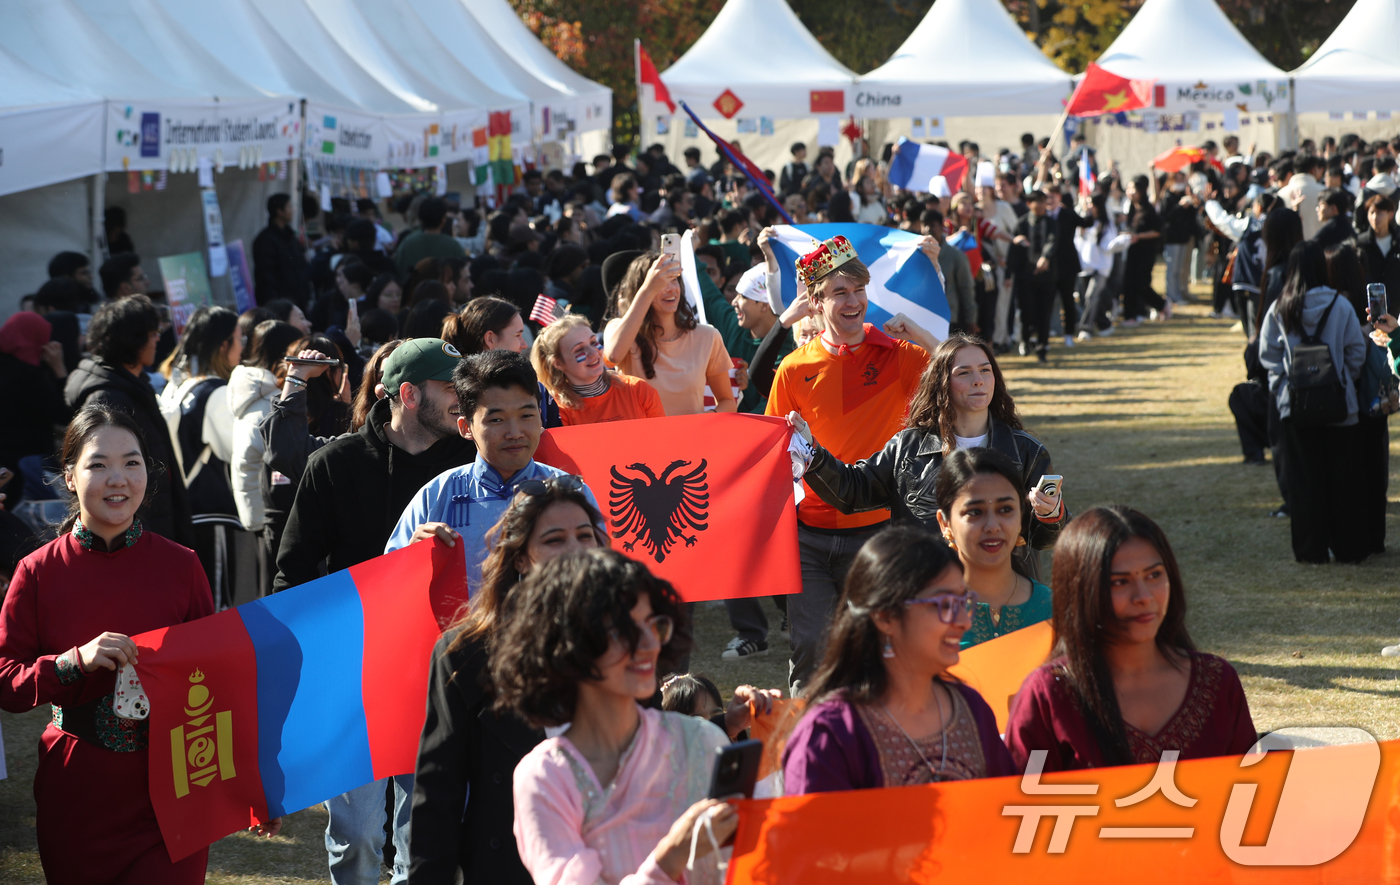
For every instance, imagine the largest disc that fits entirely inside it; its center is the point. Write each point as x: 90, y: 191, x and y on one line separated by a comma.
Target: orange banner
x: 997, y: 667
x: 1318, y: 815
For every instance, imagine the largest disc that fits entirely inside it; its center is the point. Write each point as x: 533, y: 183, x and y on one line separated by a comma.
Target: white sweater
x: 250, y: 392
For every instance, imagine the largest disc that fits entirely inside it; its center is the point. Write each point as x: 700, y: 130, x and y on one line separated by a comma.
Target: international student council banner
x: 292, y: 699
x: 705, y: 501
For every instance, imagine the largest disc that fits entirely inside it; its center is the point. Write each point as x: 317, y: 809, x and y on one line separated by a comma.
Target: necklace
x: 942, y: 732
x: 996, y: 612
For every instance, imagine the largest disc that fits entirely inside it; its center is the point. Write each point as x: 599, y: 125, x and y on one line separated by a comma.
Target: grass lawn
x: 1139, y: 418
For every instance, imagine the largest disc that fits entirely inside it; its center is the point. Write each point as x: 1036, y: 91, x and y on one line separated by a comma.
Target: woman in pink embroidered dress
x: 616, y: 796
x: 1126, y: 683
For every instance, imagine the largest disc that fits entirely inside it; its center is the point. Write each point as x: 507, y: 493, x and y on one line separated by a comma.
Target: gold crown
x: 820, y: 262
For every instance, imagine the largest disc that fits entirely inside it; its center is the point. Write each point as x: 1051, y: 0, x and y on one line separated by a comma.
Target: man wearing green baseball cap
x: 349, y: 498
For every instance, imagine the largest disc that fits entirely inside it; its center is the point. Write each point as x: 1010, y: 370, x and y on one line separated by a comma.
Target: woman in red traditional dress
x: 65, y: 628
x: 1126, y: 684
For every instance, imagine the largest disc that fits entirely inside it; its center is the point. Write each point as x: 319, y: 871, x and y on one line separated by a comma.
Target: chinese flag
x: 706, y: 501
x: 1103, y: 93
x: 827, y: 101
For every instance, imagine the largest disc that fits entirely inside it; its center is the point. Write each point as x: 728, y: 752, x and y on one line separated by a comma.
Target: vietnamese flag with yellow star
x: 1101, y: 92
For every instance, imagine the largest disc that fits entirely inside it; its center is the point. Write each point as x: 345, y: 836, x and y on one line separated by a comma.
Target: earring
x: 889, y: 648
x: 948, y: 537
x: 1020, y: 540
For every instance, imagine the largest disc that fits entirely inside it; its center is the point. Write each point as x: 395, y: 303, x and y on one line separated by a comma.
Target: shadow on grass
x: 1304, y: 675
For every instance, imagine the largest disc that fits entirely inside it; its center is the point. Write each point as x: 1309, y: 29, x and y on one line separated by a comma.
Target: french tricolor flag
x: 1087, y: 179
x: 913, y: 165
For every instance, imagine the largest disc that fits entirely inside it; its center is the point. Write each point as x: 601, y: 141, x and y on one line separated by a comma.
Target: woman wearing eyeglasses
x: 980, y: 511
x: 467, y: 751
x: 568, y: 357
x: 1126, y: 683
x: 883, y: 712
x: 616, y: 797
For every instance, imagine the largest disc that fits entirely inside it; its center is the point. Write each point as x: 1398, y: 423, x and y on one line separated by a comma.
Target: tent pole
x: 294, y: 177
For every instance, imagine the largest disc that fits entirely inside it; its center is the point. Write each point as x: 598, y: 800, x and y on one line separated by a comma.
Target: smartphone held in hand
x: 1376, y: 300
x: 298, y: 361
x: 1049, y: 485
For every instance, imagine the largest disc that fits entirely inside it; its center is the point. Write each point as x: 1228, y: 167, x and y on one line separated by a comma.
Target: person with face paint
x: 568, y: 357
x: 1126, y: 683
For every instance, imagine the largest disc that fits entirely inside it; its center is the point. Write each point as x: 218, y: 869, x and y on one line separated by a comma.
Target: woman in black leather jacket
x: 962, y: 402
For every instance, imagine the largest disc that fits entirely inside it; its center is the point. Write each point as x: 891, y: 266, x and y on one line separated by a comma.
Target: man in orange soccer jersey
x: 851, y: 385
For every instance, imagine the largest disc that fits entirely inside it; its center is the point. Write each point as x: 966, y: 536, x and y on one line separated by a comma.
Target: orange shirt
x: 627, y: 398
x: 854, y: 405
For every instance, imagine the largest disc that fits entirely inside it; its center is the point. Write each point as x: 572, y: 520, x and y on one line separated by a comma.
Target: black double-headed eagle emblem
x: 658, y: 511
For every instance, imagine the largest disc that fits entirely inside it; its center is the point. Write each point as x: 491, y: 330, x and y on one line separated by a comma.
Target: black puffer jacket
x: 98, y: 383
x: 352, y: 494
x: 901, y: 476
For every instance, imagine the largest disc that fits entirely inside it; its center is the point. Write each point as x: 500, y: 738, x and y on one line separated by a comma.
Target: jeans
x: 1001, y: 334
x: 1177, y: 255
x: 355, y: 834
x: 747, y: 618
x: 1098, y: 303
x: 825, y: 561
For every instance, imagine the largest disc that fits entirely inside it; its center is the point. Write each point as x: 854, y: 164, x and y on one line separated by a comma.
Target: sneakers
x: 740, y: 648
x: 1131, y: 322
x: 1281, y: 513
x: 1391, y: 651
x: 1104, y: 333
x: 1069, y: 341
x: 1153, y: 315
x: 1022, y: 349
x: 785, y: 629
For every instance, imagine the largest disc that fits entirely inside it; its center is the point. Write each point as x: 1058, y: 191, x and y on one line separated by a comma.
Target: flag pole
x: 637, y: 73
x: 724, y: 151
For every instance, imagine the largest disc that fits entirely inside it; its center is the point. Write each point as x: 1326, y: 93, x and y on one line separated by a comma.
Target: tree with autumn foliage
x: 595, y: 36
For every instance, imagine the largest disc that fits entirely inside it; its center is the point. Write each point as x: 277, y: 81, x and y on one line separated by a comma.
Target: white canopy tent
x: 1358, y: 67
x: 48, y: 132
x: 966, y: 58
x: 586, y: 103
x: 1199, y: 60
x: 757, y: 59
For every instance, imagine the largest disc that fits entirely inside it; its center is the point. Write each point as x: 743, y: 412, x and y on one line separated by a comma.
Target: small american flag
x: 544, y: 310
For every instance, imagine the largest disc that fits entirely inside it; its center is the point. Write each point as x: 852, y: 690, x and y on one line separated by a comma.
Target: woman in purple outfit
x: 884, y: 711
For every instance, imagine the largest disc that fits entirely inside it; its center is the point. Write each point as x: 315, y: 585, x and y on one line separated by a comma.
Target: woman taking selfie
x: 961, y: 403
x: 467, y: 749
x: 652, y: 333
x: 883, y: 713
x: 981, y: 509
x: 568, y: 357
x: 64, y: 630
x: 616, y: 797
x: 1126, y: 683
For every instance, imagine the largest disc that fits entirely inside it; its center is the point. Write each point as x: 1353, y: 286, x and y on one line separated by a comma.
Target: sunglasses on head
x: 950, y: 607
x: 532, y: 488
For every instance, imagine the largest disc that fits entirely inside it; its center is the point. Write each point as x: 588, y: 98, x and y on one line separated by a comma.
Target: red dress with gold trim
x: 95, y: 822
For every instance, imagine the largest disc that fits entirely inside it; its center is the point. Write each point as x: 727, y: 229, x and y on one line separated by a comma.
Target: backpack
x: 1315, y: 393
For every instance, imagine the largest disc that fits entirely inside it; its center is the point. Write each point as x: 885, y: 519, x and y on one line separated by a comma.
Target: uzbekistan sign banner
x: 292, y: 699
x: 705, y: 501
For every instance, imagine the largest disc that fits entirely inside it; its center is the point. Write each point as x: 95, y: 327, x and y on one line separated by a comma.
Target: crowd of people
x: 392, y: 389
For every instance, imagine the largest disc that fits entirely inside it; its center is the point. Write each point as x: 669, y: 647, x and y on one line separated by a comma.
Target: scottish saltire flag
x: 913, y: 165
x: 902, y: 279
x: 290, y: 700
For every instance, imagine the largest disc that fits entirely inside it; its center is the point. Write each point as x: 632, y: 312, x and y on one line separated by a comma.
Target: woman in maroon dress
x: 1127, y: 684
x: 65, y: 627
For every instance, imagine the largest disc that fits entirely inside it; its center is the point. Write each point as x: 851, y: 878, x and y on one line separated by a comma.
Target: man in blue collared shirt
x: 500, y: 411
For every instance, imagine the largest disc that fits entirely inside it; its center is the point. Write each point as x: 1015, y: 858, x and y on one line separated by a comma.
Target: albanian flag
x: 706, y: 501
x: 290, y: 700
x: 1103, y: 93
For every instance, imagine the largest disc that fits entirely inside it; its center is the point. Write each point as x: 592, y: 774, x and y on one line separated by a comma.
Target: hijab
x: 24, y: 335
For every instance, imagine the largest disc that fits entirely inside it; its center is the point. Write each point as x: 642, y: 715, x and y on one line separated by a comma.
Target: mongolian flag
x: 1103, y: 93
x: 706, y: 501
x: 292, y: 699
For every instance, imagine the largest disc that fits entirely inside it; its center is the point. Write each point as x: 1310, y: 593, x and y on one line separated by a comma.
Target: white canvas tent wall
x: 1358, y: 67
x: 50, y: 146
x: 966, y: 58
x: 589, y: 103
x: 760, y: 52
x: 1203, y: 67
